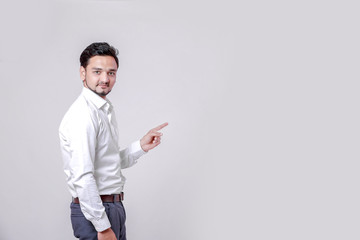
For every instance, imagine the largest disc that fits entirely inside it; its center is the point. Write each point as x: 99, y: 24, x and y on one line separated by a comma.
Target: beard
x: 100, y: 93
x: 103, y: 93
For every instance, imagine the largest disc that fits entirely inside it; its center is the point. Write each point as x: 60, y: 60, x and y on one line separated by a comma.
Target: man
x: 89, y: 144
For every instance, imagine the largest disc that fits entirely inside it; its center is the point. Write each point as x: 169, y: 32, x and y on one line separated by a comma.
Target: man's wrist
x: 137, y: 147
x: 106, y: 230
x: 107, y: 234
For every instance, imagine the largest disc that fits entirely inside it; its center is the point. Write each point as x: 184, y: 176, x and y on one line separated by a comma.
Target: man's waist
x: 106, y: 198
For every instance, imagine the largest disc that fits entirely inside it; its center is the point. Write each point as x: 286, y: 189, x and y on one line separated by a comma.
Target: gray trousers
x: 84, y: 230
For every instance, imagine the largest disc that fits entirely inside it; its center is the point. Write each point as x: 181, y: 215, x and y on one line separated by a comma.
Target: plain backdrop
x: 262, y: 100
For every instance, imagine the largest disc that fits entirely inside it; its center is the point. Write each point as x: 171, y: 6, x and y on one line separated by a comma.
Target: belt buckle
x: 121, y: 195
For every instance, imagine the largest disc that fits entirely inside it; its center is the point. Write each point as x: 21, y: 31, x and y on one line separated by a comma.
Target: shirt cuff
x: 136, y: 149
x: 101, y: 224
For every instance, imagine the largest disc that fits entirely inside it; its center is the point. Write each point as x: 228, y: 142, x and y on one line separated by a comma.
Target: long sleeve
x: 129, y: 156
x: 81, y: 142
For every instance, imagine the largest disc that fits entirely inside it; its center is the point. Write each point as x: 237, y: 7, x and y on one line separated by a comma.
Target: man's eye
x: 111, y: 73
x: 97, y: 72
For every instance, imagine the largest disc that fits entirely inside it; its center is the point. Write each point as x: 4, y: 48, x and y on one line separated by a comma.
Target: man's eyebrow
x: 100, y: 69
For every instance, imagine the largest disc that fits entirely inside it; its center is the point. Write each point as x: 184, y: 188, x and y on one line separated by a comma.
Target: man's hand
x: 107, y: 234
x: 152, y: 138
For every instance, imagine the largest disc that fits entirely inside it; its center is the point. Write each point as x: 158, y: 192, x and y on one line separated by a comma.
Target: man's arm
x: 151, y: 140
x: 129, y: 156
x: 81, y: 134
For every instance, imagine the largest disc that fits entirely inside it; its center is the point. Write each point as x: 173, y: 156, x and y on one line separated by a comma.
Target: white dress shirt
x: 92, y: 158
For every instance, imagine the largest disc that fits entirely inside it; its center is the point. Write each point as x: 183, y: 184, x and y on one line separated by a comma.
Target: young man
x: 89, y: 144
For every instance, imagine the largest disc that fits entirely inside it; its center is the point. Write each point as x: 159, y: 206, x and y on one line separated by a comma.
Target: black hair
x: 98, y: 49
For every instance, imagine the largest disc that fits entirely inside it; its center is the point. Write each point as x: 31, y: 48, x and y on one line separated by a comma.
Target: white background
x: 262, y: 103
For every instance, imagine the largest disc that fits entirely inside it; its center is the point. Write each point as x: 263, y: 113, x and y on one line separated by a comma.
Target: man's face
x: 99, y: 75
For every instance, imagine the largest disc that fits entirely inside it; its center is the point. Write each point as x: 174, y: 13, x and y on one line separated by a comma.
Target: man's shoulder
x: 80, y: 111
x: 78, y: 107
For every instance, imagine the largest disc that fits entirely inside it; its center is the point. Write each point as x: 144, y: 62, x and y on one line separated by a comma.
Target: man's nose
x: 105, y: 77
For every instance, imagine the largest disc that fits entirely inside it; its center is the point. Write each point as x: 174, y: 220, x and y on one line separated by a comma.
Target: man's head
x: 99, y: 64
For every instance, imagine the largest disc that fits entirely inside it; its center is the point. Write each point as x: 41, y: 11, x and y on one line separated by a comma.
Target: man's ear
x: 82, y: 73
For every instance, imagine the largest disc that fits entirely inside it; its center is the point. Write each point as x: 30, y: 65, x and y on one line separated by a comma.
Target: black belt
x: 106, y: 198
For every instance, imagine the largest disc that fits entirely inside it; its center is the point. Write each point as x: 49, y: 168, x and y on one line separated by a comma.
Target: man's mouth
x: 103, y: 85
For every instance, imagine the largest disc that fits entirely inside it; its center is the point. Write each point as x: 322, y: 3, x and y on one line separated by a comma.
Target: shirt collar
x: 98, y: 101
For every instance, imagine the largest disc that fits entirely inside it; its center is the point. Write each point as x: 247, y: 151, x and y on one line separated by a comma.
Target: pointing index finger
x: 161, y: 126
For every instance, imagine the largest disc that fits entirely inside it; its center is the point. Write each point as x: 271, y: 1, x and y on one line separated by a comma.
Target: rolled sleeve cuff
x: 101, y: 224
